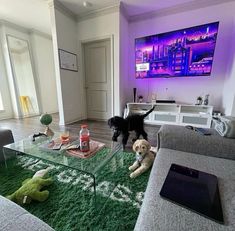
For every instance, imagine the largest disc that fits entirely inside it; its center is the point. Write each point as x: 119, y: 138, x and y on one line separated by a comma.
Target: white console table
x: 178, y: 114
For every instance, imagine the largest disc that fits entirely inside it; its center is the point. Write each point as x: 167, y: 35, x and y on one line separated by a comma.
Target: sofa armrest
x: 6, y: 137
x: 183, y: 139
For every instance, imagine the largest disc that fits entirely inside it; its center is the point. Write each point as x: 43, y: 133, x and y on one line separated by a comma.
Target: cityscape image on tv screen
x: 181, y: 53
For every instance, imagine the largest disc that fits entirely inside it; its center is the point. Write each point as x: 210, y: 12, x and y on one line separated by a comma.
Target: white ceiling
x: 76, y: 6
x: 32, y: 14
x: 35, y: 13
x: 133, y: 7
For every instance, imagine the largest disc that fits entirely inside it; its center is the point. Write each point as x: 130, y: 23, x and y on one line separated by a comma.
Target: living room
x: 99, y: 39
x: 124, y: 34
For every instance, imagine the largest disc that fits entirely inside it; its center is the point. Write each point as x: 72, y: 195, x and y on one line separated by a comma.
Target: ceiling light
x: 87, y: 4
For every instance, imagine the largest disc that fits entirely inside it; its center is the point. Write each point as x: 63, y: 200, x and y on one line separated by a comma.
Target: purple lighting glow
x: 181, y: 53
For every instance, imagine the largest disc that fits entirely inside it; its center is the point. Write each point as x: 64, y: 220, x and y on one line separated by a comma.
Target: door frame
x: 82, y: 45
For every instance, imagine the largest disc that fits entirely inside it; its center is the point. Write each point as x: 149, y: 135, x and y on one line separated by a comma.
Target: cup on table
x: 64, y: 137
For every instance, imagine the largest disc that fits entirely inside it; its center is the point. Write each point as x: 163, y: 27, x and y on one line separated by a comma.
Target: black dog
x: 131, y: 123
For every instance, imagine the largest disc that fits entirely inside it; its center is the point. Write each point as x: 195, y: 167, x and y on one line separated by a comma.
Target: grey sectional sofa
x: 188, y: 148
x: 15, y: 218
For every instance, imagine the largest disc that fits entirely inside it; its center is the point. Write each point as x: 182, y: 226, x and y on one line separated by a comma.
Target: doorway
x: 98, y: 79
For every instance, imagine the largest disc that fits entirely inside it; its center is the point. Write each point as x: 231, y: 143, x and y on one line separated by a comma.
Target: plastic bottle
x: 84, y: 139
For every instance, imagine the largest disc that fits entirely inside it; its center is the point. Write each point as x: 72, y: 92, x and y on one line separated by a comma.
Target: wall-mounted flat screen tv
x: 181, y: 53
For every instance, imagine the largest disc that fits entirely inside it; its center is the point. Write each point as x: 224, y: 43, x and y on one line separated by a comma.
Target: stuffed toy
x: 31, y: 189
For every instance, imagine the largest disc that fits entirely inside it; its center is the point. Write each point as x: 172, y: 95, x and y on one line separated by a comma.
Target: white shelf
x: 195, y: 115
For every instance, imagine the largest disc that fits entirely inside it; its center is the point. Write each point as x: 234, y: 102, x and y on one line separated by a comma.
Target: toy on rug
x: 31, y: 189
x: 144, y: 157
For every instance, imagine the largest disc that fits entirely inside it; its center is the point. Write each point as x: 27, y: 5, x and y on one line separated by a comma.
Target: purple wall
x: 186, y: 90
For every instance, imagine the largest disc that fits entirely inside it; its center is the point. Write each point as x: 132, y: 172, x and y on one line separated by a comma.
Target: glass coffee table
x: 109, y: 156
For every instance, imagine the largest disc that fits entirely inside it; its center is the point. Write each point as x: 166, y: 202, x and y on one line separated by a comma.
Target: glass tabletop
x: 89, y: 165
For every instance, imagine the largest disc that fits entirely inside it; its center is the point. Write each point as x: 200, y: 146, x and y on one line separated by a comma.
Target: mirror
x: 23, y: 76
x: 1, y: 104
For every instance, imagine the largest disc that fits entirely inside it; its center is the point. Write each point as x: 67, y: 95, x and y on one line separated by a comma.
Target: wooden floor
x: 99, y: 130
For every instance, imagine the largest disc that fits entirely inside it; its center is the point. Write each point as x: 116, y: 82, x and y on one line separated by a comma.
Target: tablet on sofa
x: 195, y: 190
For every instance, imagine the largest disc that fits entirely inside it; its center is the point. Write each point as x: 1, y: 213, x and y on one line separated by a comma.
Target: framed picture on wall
x: 68, y: 60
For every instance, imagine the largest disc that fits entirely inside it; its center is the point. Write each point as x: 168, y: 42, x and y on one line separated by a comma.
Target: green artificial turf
x: 70, y: 206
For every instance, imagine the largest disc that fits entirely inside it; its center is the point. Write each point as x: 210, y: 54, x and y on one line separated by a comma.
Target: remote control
x: 74, y: 146
x: 57, y: 146
x: 203, y: 131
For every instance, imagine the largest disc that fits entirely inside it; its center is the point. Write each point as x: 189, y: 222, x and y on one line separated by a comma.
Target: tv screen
x: 181, y: 53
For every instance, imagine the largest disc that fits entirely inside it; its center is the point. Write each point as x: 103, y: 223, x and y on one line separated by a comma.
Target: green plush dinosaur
x: 31, y: 189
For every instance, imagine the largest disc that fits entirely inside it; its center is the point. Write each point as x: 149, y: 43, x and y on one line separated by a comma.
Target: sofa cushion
x: 15, y: 218
x: 225, y: 126
x: 183, y: 139
x: 159, y: 214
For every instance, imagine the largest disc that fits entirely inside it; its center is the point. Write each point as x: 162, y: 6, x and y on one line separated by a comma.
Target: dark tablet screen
x: 194, y: 190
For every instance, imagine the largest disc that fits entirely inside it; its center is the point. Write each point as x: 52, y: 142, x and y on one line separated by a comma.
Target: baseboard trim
x: 73, y: 121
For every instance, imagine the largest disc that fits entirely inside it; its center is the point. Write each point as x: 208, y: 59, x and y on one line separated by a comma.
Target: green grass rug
x: 70, y: 204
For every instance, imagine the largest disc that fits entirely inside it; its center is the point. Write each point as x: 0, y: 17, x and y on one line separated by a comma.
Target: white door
x: 98, y: 79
